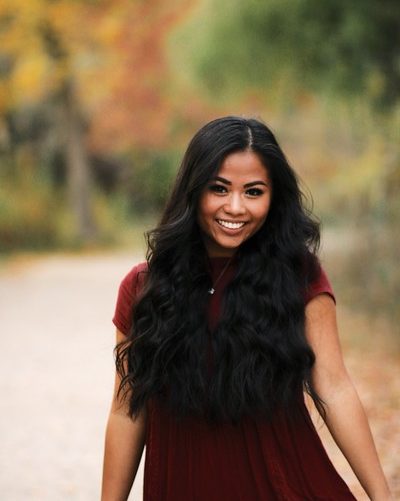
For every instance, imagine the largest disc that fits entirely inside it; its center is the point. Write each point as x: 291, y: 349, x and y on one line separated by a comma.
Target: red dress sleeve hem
x: 321, y: 285
x: 127, y: 293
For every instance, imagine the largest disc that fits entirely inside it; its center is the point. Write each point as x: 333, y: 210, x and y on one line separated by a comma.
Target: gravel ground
x: 56, y: 369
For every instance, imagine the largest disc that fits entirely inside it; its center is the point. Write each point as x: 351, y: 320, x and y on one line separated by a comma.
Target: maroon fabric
x: 192, y: 460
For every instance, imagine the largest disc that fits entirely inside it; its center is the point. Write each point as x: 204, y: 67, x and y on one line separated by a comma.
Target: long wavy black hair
x: 262, y: 361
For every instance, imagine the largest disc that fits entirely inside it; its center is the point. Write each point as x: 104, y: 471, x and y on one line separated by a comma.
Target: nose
x: 235, y: 205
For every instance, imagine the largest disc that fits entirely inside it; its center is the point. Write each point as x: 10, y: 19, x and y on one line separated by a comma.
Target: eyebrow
x: 247, y: 185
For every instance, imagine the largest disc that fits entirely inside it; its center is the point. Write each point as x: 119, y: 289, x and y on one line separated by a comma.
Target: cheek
x: 207, y: 207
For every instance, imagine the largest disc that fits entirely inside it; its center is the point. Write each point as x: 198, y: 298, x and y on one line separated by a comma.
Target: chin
x: 229, y: 248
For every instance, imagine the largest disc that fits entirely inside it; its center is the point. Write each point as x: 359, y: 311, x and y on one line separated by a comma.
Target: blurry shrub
x: 370, y: 272
x: 33, y: 216
x: 27, y: 217
x: 148, y: 180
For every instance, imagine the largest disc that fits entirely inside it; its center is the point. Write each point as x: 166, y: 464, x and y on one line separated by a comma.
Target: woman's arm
x: 124, y: 444
x: 345, y: 416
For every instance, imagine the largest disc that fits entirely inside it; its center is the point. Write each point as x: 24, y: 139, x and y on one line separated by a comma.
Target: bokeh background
x: 98, y: 100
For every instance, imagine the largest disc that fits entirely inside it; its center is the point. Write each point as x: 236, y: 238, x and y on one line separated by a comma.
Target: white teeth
x: 232, y: 226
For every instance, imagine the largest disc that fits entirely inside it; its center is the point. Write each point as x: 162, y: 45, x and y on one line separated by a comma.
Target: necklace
x: 211, y: 290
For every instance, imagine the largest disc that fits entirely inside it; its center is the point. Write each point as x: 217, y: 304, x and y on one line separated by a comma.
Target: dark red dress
x: 257, y: 460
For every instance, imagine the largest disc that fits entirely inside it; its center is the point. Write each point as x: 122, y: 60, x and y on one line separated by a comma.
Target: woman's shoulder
x: 135, y: 276
x: 320, y: 285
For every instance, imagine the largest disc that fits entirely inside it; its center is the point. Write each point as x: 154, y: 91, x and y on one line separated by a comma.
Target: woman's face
x: 234, y: 204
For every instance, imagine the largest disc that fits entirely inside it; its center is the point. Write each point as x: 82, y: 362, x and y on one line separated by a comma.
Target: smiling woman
x: 235, y: 203
x: 230, y: 319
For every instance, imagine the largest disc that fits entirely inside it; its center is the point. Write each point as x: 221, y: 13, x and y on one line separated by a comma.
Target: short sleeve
x: 127, y: 293
x: 321, y: 285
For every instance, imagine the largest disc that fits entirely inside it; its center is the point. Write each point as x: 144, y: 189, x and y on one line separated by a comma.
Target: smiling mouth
x: 230, y: 225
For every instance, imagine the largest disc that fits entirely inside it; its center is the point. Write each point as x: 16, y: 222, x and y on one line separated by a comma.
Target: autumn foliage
x: 112, y: 51
x: 78, y: 79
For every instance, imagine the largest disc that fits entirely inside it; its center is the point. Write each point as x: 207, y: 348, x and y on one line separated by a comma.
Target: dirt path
x: 57, y: 374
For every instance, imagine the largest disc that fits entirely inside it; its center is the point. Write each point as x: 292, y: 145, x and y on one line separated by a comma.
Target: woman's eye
x: 217, y: 188
x: 254, y: 192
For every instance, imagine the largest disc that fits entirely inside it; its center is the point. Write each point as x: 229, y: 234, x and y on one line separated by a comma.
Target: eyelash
x: 257, y: 191
x: 217, y: 188
x: 220, y: 189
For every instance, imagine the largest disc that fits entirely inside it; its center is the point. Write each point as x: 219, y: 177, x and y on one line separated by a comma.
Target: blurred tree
x: 136, y: 104
x: 348, y: 46
x: 98, y: 70
x: 38, y: 44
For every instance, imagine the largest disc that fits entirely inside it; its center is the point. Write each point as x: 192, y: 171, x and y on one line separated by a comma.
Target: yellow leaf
x: 30, y: 78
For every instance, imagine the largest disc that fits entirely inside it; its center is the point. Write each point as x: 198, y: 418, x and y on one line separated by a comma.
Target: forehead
x: 243, y: 166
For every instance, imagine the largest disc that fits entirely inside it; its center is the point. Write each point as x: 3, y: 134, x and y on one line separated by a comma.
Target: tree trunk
x: 79, y: 181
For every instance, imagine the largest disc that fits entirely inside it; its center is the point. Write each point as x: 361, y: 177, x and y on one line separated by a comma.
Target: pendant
x: 211, y: 291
